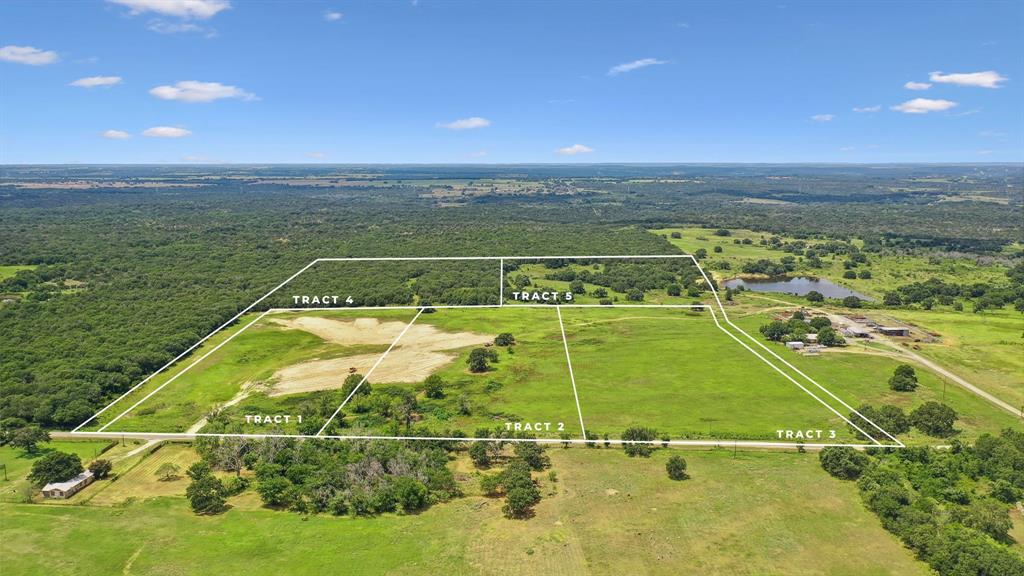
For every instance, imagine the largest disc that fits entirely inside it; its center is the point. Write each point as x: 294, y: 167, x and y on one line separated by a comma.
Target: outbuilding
x: 795, y: 345
x: 68, y: 488
x: 894, y: 330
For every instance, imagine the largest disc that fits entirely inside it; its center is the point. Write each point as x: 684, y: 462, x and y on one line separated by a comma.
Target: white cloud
x: 332, y: 16
x: 863, y: 109
x: 199, y: 159
x: 316, y: 155
x: 634, y: 65
x: 823, y: 117
x: 986, y: 79
x: 477, y: 154
x: 917, y: 85
x: 991, y: 134
x: 984, y: 152
x: 166, y: 132
x: 115, y: 134
x: 195, y: 91
x: 847, y: 149
x: 164, y: 27
x: 199, y: 9
x: 574, y: 150
x: 27, y: 55
x: 94, y: 81
x: 465, y: 123
x: 923, y: 106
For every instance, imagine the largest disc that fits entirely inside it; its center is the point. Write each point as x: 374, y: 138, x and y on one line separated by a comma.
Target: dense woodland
x: 127, y: 278
x: 951, y: 507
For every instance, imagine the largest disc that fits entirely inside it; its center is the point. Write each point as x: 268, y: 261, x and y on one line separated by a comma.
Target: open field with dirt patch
x: 418, y: 354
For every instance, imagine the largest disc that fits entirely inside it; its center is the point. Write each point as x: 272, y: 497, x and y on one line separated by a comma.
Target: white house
x: 68, y: 488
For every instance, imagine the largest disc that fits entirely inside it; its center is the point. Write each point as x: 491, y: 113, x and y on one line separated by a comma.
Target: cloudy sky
x: 424, y: 81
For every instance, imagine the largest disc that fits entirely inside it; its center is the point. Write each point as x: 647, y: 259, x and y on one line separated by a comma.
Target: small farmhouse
x: 68, y: 488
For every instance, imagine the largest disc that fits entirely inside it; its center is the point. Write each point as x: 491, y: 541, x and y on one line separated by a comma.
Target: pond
x: 799, y: 286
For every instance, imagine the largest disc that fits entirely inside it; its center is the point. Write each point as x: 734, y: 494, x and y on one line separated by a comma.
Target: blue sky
x: 127, y: 81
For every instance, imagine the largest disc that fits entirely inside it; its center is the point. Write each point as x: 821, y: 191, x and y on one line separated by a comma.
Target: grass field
x: 140, y: 482
x: 859, y: 374
x: 755, y: 513
x: 677, y: 372
x: 986, y: 349
x: 668, y: 369
x: 888, y: 271
x: 249, y: 359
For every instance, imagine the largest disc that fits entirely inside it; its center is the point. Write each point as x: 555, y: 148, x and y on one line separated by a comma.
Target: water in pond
x: 799, y: 286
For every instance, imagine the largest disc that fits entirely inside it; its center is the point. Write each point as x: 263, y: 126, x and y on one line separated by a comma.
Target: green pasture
x: 251, y: 358
x: 859, y: 374
x: 985, y: 349
x: 743, y: 513
x: 675, y: 371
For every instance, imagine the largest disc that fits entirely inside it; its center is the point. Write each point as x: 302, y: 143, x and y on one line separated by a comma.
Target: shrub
x: 274, y: 491
x: 676, y: 468
x: 519, y: 502
x: 903, y: 379
x: 479, y: 454
x: 410, y: 493
x: 843, y: 462
x: 434, y: 386
x: 533, y: 454
x: 819, y: 322
x: 206, y: 493
x: 351, y: 382
x: 934, y: 419
x: 829, y: 337
x: 504, y: 339
x: 490, y: 485
x: 638, y: 434
x: 100, y: 468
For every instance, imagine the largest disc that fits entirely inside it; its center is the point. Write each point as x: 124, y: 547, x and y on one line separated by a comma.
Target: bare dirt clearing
x: 421, y: 351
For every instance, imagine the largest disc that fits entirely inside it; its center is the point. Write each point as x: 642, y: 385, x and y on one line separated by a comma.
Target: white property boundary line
x: 715, y: 443
x: 572, y: 377
x: 175, y: 377
x: 368, y: 372
x: 500, y: 260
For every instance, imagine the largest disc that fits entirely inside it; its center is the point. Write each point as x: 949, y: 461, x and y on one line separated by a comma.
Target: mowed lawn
x: 675, y: 371
x: 752, y: 513
x: 140, y: 481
